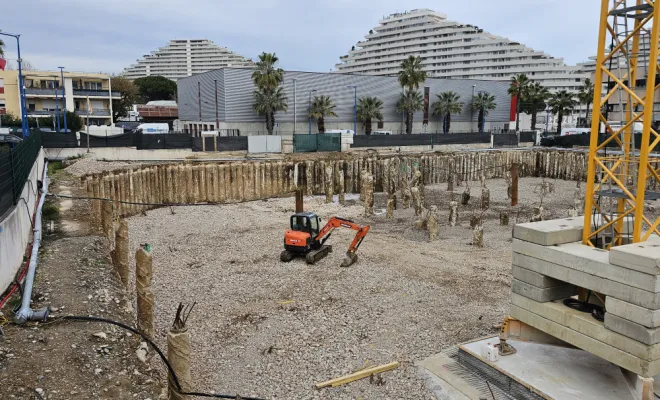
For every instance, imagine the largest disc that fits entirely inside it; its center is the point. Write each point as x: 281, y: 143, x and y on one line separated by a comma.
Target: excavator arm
x: 336, y: 222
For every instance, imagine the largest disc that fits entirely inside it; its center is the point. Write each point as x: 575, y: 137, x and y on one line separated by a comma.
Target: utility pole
x: 474, y: 92
x: 57, y: 107
x: 25, y: 129
x: 64, y: 99
x: 514, y: 184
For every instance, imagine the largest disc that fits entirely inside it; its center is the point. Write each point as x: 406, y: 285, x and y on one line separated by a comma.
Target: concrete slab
x: 534, y: 278
x: 632, y: 312
x: 585, y: 324
x: 455, y: 387
x: 543, y: 295
x: 551, y: 232
x: 644, y: 257
x: 591, y: 345
x: 607, y: 287
x: 558, y: 373
x: 590, y: 260
x: 631, y: 329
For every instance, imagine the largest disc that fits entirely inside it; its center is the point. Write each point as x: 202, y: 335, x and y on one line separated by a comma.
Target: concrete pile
x: 550, y: 264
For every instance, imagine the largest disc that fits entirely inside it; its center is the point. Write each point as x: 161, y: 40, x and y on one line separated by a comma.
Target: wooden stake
x: 514, y: 184
x: 357, y: 375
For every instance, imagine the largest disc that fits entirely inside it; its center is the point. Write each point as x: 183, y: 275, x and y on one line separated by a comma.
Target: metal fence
x: 15, y: 166
x: 419, y: 140
x: 225, y: 143
x: 317, y: 142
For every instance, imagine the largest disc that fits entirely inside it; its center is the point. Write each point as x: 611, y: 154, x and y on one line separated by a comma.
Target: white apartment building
x: 454, y: 50
x: 185, y: 57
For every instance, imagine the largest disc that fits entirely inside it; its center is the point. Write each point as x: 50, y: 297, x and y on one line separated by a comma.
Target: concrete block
x: 551, y: 232
x: 632, y: 312
x: 543, y: 295
x: 632, y: 329
x: 607, y: 287
x: 590, y: 260
x: 534, y: 278
x: 616, y: 356
x: 587, y: 325
x: 644, y: 257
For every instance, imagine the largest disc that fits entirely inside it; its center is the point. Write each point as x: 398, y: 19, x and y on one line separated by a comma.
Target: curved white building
x: 185, y: 57
x: 454, y: 50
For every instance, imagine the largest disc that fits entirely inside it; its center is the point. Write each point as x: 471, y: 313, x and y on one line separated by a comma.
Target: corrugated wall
x: 237, y: 87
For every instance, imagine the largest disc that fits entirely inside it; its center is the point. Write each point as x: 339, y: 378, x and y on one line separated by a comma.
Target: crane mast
x: 624, y: 167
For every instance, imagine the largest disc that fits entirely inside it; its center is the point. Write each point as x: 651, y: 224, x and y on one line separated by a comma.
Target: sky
x: 307, y: 35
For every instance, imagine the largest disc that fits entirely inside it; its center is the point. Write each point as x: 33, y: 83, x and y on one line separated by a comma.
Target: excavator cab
x: 306, y: 238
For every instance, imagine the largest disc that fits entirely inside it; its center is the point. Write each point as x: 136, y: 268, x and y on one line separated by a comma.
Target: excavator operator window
x: 300, y: 224
x: 314, y: 223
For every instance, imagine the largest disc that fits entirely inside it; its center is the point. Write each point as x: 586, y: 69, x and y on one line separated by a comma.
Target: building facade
x: 88, y: 95
x: 454, y: 50
x: 223, y: 99
x: 185, y: 57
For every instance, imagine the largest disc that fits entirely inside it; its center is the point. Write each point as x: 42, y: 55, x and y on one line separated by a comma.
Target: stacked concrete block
x: 550, y: 264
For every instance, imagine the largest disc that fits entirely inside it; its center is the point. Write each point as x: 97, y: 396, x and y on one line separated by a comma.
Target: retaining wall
x: 16, y: 227
x: 251, y: 180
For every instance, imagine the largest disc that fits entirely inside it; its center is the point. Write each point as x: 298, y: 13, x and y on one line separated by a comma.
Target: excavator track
x: 315, y: 255
x: 286, y: 256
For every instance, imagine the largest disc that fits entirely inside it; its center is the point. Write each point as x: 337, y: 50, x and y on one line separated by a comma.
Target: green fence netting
x: 319, y: 142
x: 15, y: 166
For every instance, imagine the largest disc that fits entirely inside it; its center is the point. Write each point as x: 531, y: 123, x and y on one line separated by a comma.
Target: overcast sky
x: 307, y: 35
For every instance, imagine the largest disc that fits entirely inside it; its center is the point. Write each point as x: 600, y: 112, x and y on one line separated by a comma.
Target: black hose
x: 160, y: 353
x: 595, y: 310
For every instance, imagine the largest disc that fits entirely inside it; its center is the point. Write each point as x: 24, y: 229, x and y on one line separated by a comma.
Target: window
x: 380, y: 125
x: 32, y: 106
x: 93, y: 86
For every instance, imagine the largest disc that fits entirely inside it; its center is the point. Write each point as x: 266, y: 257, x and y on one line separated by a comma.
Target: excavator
x: 306, y: 238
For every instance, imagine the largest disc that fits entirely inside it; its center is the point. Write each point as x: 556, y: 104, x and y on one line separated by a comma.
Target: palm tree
x: 409, y: 102
x: 322, y: 106
x: 267, y: 104
x: 410, y: 77
x: 448, y: 103
x: 368, y: 109
x: 561, y: 103
x: 586, y: 96
x: 266, y: 75
x: 518, y: 84
x: 268, y: 98
x: 2, y: 48
x: 535, y: 96
x: 483, y: 103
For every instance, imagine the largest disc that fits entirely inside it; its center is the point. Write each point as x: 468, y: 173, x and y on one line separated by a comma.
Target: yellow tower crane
x: 621, y: 179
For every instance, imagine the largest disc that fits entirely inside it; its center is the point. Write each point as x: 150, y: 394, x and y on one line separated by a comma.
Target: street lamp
x: 354, y: 110
x: 57, y: 107
x: 474, y: 91
x: 217, y: 116
x: 21, y: 88
x: 310, y: 110
x: 64, y: 99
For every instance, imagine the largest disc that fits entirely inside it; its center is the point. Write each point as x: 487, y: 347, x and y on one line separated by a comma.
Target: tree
x: 268, y: 103
x: 269, y: 96
x: 448, y: 103
x: 2, y: 48
x: 561, y: 103
x: 155, y: 87
x: 586, y: 96
x: 483, y: 103
x: 129, y: 95
x: 535, y: 96
x: 73, y: 122
x: 409, y: 102
x: 322, y: 106
x: 411, y: 76
x: 368, y: 109
x: 10, y: 120
x: 518, y: 85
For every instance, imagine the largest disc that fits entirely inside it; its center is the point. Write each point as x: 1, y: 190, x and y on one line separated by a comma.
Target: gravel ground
x: 271, y: 329
x: 88, y: 165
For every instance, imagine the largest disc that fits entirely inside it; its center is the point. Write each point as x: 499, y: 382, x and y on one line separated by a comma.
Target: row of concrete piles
x: 251, y: 180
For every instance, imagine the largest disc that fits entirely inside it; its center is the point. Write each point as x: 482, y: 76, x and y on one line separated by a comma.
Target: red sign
x: 427, y: 93
x: 512, y: 113
x: 3, y: 111
x: 3, y: 63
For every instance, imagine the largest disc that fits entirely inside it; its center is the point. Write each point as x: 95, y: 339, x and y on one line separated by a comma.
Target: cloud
x: 306, y: 35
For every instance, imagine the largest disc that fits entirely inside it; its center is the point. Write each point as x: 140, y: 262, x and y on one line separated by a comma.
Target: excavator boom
x: 324, y: 235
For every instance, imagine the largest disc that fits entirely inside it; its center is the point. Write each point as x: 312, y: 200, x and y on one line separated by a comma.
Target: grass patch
x: 77, y: 157
x: 50, y: 211
x: 54, y: 166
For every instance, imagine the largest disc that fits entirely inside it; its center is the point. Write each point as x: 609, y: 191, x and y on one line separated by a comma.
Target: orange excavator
x: 306, y: 238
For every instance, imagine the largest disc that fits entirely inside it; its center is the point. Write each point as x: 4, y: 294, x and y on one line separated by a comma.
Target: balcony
x: 94, y: 113
x: 94, y: 93
x: 42, y: 92
x: 41, y: 112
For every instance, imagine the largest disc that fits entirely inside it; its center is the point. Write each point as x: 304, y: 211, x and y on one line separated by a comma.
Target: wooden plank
x: 357, y: 375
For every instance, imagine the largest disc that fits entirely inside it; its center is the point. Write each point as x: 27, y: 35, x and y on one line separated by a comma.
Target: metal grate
x: 15, y: 166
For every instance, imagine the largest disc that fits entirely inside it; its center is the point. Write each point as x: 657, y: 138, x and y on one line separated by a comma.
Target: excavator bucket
x: 349, y: 260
